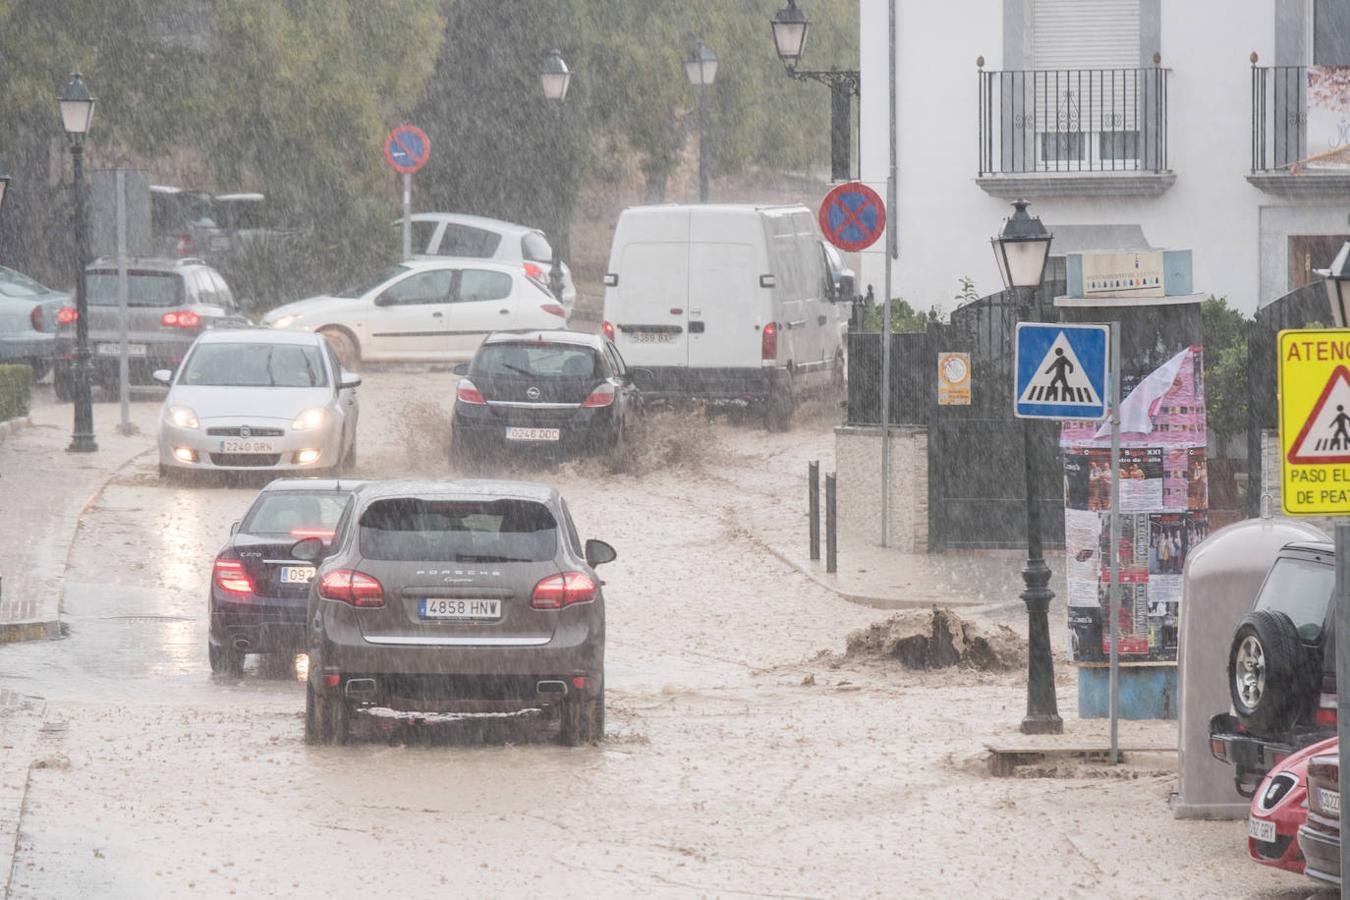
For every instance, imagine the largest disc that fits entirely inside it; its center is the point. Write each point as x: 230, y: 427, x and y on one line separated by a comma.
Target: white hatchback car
x: 255, y: 399
x: 427, y: 310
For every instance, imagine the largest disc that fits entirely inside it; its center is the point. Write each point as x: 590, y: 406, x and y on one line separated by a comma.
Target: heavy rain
x: 602, y: 448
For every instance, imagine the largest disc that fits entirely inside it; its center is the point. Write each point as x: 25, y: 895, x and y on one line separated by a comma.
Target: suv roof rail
x: 190, y: 261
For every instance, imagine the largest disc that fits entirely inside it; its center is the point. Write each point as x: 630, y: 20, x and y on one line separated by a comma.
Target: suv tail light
x: 67, y: 315
x: 603, y: 395
x: 608, y: 329
x: 469, y: 394
x: 557, y: 591
x: 180, y: 318
x: 768, y: 344
x: 350, y: 586
x: 554, y: 309
x: 534, y: 271
x: 229, y: 575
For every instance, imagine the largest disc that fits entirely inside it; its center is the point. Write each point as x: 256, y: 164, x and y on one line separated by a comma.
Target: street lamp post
x: 555, y: 78
x: 701, y: 68
x: 1021, y: 250
x: 790, y: 29
x: 77, y: 111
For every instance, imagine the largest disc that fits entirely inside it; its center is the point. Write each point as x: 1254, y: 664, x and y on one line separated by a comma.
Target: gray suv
x: 455, y: 597
x: 169, y: 303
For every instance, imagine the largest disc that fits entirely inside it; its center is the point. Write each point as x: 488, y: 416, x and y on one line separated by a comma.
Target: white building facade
x: 1147, y: 113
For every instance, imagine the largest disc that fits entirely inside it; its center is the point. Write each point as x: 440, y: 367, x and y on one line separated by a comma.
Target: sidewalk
x: 43, y: 492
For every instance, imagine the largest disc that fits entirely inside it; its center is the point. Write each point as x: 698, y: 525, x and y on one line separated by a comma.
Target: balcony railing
x: 1045, y: 121
x: 1279, y: 116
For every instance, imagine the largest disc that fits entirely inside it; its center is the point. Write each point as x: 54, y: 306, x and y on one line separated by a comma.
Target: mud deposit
x: 938, y: 639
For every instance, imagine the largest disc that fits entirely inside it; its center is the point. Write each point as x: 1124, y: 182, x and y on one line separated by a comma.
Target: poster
x: 1328, y: 101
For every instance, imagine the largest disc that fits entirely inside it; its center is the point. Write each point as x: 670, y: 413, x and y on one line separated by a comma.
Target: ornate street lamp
x: 790, y: 29
x: 1021, y: 250
x: 77, y: 112
x: 1338, y: 286
x: 555, y: 78
x: 700, y: 66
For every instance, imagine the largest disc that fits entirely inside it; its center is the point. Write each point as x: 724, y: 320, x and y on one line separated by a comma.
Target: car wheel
x: 349, y: 461
x: 1268, y: 672
x: 463, y: 455
x: 583, y: 721
x: 63, y: 384
x: 315, y: 716
x: 344, y: 346
x: 339, y: 719
x: 778, y: 414
x: 225, y: 660
x: 839, y: 376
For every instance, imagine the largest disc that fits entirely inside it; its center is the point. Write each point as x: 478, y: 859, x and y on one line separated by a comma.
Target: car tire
x: 583, y: 721
x: 344, y: 347
x: 778, y: 414
x: 464, y: 456
x: 349, y: 461
x: 315, y: 717
x: 339, y: 719
x: 225, y: 660
x: 63, y: 384
x: 1269, y: 673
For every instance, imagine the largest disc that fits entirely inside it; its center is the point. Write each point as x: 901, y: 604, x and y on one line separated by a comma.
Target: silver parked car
x: 29, y: 313
x: 252, y: 399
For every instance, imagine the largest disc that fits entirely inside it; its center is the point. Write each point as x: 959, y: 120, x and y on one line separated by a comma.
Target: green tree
x: 1225, y: 341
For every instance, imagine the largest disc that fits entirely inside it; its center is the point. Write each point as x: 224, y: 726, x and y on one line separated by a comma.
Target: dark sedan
x: 258, y: 591
x: 564, y: 391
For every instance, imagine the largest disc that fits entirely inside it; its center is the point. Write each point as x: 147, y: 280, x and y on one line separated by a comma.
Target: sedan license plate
x: 653, y: 337
x: 443, y: 608
x: 532, y: 434
x: 297, y: 574
x: 1329, y: 800
x: 1261, y: 829
x: 246, y: 447
x: 136, y: 350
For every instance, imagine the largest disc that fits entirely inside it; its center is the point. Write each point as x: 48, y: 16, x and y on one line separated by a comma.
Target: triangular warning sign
x: 1325, y: 436
x: 1060, y: 379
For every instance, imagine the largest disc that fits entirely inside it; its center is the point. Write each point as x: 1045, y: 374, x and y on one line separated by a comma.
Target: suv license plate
x: 297, y: 574
x: 532, y: 434
x: 136, y: 350
x: 1261, y: 829
x: 443, y: 608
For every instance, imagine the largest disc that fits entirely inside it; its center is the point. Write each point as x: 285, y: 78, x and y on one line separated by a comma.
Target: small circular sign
x: 954, y: 369
x: 852, y: 216
x: 407, y: 149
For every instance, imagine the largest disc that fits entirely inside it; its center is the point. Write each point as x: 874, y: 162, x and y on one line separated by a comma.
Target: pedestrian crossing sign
x: 1061, y: 371
x: 1314, y: 395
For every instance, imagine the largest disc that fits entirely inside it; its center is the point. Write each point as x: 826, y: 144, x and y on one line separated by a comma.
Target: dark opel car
x: 258, y: 591
x: 460, y: 597
x: 561, y: 390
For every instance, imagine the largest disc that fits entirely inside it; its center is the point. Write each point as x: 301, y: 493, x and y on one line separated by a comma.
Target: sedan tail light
x: 608, y: 329
x: 534, y: 271
x: 469, y: 394
x: 67, y: 315
x: 603, y: 395
x: 557, y: 591
x: 350, y: 586
x: 768, y: 345
x: 180, y: 318
x: 554, y: 309
x: 229, y: 575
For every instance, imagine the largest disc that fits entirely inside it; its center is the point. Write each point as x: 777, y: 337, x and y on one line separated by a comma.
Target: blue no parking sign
x: 1061, y: 371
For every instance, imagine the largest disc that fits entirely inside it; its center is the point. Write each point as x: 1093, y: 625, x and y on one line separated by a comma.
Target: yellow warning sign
x: 1314, y: 395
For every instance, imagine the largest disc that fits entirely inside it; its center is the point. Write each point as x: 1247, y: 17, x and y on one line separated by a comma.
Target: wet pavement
x: 739, y: 759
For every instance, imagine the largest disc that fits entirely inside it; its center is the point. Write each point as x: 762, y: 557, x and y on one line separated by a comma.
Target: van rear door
x: 649, y: 305
x: 723, y: 312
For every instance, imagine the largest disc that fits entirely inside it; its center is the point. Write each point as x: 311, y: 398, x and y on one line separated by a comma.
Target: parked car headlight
x: 310, y: 419
x: 183, y: 417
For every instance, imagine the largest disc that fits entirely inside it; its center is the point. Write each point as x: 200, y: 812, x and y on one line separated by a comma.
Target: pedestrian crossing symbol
x: 1315, y: 421
x: 1061, y: 371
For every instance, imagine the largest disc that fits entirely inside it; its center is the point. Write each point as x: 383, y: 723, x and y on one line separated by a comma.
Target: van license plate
x: 653, y: 337
x: 443, y: 608
x: 532, y: 434
x: 1261, y: 829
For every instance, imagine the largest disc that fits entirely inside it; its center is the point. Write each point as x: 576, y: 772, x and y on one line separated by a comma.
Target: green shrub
x: 15, y: 382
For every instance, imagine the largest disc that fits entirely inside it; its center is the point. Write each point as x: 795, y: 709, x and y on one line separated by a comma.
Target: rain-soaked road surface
x: 725, y: 771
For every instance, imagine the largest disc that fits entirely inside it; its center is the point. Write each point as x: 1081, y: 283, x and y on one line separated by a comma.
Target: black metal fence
x: 1279, y: 116
x: 1073, y: 120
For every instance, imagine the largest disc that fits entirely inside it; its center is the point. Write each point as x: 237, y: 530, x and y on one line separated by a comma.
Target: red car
x: 1279, y: 807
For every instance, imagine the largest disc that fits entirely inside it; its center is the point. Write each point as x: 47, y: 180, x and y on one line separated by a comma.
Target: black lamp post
x: 701, y: 68
x: 555, y: 78
x: 1337, y: 279
x: 1021, y: 250
x: 77, y: 111
x: 790, y: 29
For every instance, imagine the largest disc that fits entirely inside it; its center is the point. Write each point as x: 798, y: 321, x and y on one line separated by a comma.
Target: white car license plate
x: 1329, y: 800
x: 137, y: 350
x: 443, y: 608
x: 246, y: 447
x: 653, y: 337
x: 297, y: 574
x: 1261, y: 829
x: 532, y: 434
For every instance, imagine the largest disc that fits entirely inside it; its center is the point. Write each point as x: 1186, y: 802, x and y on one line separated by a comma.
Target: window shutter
x: 1085, y: 34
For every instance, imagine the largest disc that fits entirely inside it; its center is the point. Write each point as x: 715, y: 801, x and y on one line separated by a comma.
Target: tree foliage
x: 1225, y: 340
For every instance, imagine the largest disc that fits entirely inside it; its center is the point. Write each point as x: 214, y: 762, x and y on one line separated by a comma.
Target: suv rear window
x: 538, y: 361
x: 151, y: 289
x: 414, y: 529
x: 1301, y: 589
x: 462, y: 240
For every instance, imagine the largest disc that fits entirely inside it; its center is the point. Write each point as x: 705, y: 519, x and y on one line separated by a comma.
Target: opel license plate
x: 246, y: 447
x: 136, y: 350
x: 1261, y: 829
x: 445, y: 608
x: 297, y: 574
x: 532, y: 434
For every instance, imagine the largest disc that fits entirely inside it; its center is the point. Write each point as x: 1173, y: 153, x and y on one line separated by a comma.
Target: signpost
x: 407, y: 149
x: 121, y: 229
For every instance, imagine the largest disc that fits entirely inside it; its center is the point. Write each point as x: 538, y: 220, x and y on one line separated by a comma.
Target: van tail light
x: 602, y: 396
x: 608, y: 329
x: 1325, y: 715
x: 469, y: 394
x: 180, y: 318
x: 768, y: 344
x: 67, y: 315
x: 554, y: 309
x: 229, y: 576
x: 350, y: 586
x: 534, y: 271
x: 557, y: 591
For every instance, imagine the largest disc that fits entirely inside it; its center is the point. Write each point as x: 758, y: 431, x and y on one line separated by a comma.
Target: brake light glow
x: 469, y: 394
x: 534, y: 271
x: 350, y: 586
x: 768, y: 345
x: 608, y: 329
x: 321, y: 533
x: 180, y: 318
x: 67, y: 315
x: 1325, y: 716
x: 230, y: 576
x: 566, y: 589
x: 554, y: 309
x: 602, y: 396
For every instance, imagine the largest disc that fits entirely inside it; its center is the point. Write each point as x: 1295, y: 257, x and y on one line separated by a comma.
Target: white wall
x: 946, y: 220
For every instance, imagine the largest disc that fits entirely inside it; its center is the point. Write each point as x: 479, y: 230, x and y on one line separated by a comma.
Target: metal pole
x: 892, y: 251
x: 841, y: 113
x: 123, y: 365
x: 82, y: 440
x: 1113, y: 606
x: 555, y: 276
x: 1342, y: 626
x: 407, y: 216
x: 702, y: 145
x: 813, y: 505
x: 831, y: 531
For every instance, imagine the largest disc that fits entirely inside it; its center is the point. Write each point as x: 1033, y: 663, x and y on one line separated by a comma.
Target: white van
x: 726, y: 302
